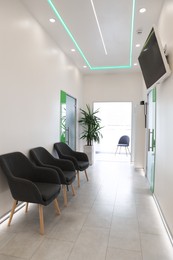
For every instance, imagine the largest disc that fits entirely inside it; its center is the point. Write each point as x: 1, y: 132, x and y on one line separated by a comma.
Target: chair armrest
x: 25, y: 190
x: 80, y: 156
x: 42, y: 174
x: 64, y: 164
x: 59, y: 172
x: 72, y: 159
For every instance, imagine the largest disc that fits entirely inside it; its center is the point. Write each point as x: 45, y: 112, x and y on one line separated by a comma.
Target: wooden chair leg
x: 12, y: 212
x: 56, y: 205
x: 41, y: 219
x: 64, y: 195
x: 78, y: 179
x: 116, y: 150
x: 86, y: 175
x: 73, y: 190
x: 26, y: 207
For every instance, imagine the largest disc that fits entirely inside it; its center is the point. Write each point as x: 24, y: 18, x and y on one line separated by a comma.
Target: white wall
x: 164, y: 128
x: 121, y: 87
x: 32, y: 73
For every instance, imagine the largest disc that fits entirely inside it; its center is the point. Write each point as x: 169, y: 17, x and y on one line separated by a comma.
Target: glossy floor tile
x: 113, y: 216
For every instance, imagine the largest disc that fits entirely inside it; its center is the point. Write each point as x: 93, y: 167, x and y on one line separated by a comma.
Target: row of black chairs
x: 39, y: 179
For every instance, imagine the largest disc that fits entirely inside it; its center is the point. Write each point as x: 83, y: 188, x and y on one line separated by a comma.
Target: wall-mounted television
x: 152, y: 60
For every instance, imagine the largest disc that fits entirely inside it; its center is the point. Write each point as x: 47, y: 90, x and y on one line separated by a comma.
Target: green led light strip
x: 79, y: 49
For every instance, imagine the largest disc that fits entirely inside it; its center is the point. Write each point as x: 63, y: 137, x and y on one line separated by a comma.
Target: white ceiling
x: 118, y: 28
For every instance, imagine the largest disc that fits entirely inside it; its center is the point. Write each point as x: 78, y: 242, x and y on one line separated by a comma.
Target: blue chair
x: 123, y: 142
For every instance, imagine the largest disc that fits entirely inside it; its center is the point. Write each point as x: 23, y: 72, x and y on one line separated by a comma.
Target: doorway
x: 116, y: 118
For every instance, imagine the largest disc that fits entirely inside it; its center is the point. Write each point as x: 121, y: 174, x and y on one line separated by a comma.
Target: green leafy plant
x: 91, y: 126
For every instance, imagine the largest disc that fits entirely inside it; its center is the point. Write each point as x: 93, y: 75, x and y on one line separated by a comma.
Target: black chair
x: 65, y: 168
x: 123, y: 142
x: 29, y: 183
x: 79, y: 159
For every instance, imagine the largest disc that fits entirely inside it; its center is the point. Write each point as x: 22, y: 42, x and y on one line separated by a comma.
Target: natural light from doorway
x: 116, y: 118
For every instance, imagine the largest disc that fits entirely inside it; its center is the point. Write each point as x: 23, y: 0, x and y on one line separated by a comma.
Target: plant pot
x: 89, y: 150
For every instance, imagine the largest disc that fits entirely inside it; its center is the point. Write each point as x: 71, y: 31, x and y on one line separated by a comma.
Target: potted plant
x: 91, y: 130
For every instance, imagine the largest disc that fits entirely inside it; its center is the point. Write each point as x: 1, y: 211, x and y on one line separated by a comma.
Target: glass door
x: 71, y: 122
x: 68, y: 120
x: 151, y: 137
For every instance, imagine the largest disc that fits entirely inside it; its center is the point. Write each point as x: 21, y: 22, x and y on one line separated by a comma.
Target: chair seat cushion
x: 69, y: 176
x: 48, y: 190
x: 83, y: 165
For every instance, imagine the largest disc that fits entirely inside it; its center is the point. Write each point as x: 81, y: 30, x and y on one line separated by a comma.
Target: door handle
x: 67, y: 135
x: 151, y: 140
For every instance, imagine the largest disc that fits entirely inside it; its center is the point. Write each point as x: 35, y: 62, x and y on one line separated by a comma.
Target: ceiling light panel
x: 76, y: 23
x: 98, y: 25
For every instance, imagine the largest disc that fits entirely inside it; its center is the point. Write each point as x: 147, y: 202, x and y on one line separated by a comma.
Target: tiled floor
x: 112, y: 217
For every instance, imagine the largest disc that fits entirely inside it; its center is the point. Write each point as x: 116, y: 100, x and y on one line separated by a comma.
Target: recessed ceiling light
x: 138, y: 45
x: 135, y: 64
x: 73, y: 50
x: 52, y: 20
x: 84, y: 66
x: 142, y: 10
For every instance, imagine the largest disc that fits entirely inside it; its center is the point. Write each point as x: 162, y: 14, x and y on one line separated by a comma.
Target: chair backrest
x: 63, y: 149
x: 41, y: 156
x: 124, y: 140
x: 16, y: 164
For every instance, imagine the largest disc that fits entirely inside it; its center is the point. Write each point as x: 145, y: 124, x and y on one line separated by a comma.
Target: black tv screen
x: 152, y: 60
